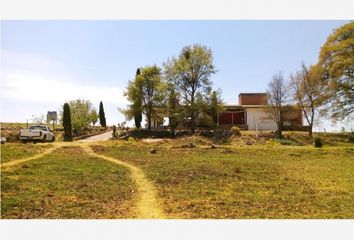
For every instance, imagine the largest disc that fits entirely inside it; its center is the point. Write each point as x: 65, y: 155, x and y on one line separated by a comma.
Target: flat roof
x: 252, y: 94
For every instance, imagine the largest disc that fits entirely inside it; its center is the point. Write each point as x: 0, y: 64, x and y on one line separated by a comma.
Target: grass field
x: 18, y: 150
x: 67, y: 184
x: 247, y: 182
x: 263, y: 180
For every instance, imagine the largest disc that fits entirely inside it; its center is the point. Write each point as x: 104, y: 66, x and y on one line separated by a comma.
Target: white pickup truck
x: 37, y: 133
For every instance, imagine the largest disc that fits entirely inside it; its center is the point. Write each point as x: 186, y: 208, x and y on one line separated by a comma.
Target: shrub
x: 235, y: 131
x: 318, y: 142
x: 351, y: 138
x: 114, y: 131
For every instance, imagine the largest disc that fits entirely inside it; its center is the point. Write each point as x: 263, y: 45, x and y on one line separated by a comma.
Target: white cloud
x: 35, y: 78
x: 34, y: 87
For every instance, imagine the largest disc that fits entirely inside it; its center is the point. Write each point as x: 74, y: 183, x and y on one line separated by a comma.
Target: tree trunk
x: 310, y: 130
x: 193, y: 123
x: 149, y: 122
x: 279, y: 131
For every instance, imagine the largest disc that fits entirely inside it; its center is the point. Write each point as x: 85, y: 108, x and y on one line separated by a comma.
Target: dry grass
x: 67, y: 184
x: 258, y: 181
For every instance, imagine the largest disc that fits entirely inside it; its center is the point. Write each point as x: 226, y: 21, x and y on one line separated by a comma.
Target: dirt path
x: 101, y: 137
x: 148, y: 206
x: 22, y: 160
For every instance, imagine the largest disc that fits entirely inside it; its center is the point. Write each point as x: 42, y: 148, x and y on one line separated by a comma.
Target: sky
x: 45, y: 63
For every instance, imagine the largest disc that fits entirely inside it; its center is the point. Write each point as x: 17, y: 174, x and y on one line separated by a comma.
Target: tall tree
x: 174, y: 114
x: 190, y: 73
x: 93, y: 116
x: 307, y: 90
x: 67, y: 123
x: 277, y: 95
x: 81, y: 115
x: 134, y: 95
x: 152, y: 91
x: 102, y: 116
x: 337, y: 61
x: 216, y: 106
x: 137, y: 103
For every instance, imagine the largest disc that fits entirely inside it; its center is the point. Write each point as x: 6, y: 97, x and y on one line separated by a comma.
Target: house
x: 254, y: 113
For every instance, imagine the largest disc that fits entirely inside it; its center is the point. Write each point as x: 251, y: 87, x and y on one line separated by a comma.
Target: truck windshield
x: 38, y: 128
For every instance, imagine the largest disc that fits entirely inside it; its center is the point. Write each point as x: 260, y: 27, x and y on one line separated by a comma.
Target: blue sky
x: 45, y: 63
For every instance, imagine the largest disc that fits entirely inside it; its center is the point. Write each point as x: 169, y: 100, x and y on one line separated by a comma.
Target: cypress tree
x: 102, y: 116
x: 67, y: 123
x: 214, y: 107
x: 138, y: 115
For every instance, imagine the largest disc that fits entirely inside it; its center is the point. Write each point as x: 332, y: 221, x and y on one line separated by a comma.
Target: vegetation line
x: 148, y: 205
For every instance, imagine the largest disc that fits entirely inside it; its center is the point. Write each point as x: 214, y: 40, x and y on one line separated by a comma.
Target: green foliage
x: 235, y: 131
x: 174, y: 113
x: 67, y: 184
x: 93, y: 116
x: 337, y: 61
x: 214, y: 107
x: 102, y: 116
x: 81, y: 115
x: 146, y: 93
x: 114, y: 134
x: 190, y: 74
x: 67, y: 123
x: 318, y: 142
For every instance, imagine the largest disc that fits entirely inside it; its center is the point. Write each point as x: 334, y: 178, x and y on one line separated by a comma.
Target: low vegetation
x: 67, y: 184
x: 271, y: 181
x: 194, y: 178
x: 13, y: 151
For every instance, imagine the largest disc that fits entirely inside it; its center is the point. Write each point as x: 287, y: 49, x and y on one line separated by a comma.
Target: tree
x: 38, y: 119
x: 277, y: 94
x: 81, y: 117
x: 152, y: 91
x: 307, y: 90
x: 102, y: 116
x: 67, y: 123
x: 133, y: 94
x: 190, y: 73
x: 137, y: 103
x: 93, y: 116
x: 146, y: 93
x: 174, y: 113
x: 216, y: 106
x: 337, y: 62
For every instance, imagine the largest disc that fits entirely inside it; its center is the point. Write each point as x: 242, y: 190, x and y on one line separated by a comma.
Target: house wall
x: 252, y: 99
x: 262, y: 117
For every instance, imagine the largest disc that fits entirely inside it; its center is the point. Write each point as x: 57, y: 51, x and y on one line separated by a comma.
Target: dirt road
x: 101, y: 137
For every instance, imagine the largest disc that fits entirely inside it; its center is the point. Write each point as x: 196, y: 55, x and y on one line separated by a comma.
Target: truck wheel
x: 53, y: 139
x: 24, y: 141
x: 44, y: 138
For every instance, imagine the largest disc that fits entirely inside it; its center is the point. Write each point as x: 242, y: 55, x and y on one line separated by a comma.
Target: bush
x: 351, y: 138
x: 114, y: 131
x: 318, y: 142
x: 235, y: 131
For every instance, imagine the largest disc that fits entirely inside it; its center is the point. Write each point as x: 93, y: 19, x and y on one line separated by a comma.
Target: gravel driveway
x: 101, y: 137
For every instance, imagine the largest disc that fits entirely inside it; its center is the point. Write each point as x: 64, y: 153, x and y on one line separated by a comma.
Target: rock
x: 213, y: 146
x: 153, y: 151
x: 3, y: 140
x: 192, y: 145
x: 249, y: 143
